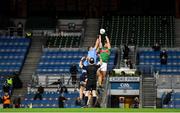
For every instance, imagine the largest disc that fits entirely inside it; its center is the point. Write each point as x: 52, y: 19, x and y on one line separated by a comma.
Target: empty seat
x: 12, y: 54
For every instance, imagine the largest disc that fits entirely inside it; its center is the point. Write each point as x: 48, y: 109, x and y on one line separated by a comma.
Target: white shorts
x: 103, y: 67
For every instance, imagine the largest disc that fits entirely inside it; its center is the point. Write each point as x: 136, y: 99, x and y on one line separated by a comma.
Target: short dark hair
x: 91, y: 60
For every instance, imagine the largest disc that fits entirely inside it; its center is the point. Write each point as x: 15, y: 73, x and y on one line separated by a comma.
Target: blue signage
x: 125, y: 85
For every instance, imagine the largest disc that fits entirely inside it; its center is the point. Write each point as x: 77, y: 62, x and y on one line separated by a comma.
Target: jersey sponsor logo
x: 104, y: 51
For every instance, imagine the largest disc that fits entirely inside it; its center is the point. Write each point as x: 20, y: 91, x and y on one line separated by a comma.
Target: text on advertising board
x: 124, y: 79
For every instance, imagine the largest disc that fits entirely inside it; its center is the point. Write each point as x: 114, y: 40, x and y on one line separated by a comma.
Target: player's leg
x: 103, y: 78
x: 101, y: 74
x: 82, y: 86
x: 87, y: 93
x: 81, y: 90
x: 89, y: 98
x: 94, y: 97
x: 86, y: 98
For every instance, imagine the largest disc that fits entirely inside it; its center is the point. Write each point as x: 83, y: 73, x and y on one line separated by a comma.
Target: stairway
x: 177, y: 33
x: 30, y: 64
x: 91, y: 33
x: 148, y: 92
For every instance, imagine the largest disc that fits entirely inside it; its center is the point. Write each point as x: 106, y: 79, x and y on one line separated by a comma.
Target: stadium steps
x: 177, y: 33
x: 30, y: 65
x: 91, y: 32
x: 148, y: 92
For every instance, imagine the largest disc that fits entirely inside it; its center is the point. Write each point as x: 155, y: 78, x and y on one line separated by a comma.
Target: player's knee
x: 98, y: 73
x: 94, y: 93
x: 86, y: 93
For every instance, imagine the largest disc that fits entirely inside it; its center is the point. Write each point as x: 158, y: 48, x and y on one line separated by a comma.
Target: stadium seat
x: 13, y: 52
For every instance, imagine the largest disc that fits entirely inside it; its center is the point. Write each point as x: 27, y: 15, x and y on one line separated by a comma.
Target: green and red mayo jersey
x: 105, y: 54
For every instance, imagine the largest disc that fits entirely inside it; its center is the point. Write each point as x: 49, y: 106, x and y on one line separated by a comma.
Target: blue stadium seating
x: 50, y: 100
x: 13, y: 51
x: 175, y: 101
x: 2, y: 79
x: 149, y: 57
x: 57, y: 61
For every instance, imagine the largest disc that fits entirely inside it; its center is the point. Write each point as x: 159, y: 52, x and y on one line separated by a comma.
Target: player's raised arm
x: 97, y: 43
x: 100, y: 41
x: 81, y: 62
x: 108, y: 42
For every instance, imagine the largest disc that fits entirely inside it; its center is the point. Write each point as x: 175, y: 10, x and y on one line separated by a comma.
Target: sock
x: 94, y: 101
x: 86, y: 100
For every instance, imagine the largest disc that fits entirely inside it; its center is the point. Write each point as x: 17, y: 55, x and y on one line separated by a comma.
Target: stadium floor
x: 91, y: 112
x: 95, y: 112
x: 88, y: 110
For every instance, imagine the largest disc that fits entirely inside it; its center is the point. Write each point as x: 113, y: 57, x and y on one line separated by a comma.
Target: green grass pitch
x: 94, y: 110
